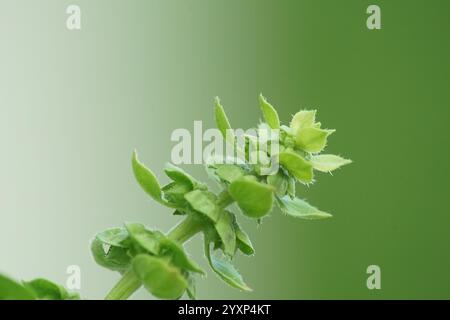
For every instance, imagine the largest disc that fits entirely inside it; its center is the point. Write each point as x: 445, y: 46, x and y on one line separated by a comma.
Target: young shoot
x: 158, y: 261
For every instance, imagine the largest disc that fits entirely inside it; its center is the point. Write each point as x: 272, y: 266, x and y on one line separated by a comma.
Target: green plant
x: 41, y: 289
x: 158, y: 261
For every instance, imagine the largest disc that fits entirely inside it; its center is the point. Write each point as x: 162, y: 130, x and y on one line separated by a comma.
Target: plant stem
x: 129, y: 282
x: 126, y: 286
x: 185, y: 230
x: 181, y: 233
x: 224, y: 199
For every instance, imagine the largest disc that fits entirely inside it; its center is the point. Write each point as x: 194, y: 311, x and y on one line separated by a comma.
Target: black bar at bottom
x: 223, y: 309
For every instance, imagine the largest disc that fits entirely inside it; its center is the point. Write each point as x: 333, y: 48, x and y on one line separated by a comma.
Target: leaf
x: 203, y: 202
x: 225, y: 270
x: 243, y: 241
x: 255, y: 199
x: 279, y: 181
x: 270, y: 114
x: 297, y: 166
x: 148, y: 240
x: 182, y: 177
x: 47, y: 290
x: 224, y: 227
x: 179, y: 256
x: 114, y: 237
x: 301, y: 209
x: 302, y: 119
x: 147, y: 180
x: 222, y: 122
x: 72, y: 296
x: 174, y: 193
x: 12, y: 290
x: 312, y: 139
x: 115, y: 258
x: 229, y: 172
x: 328, y: 162
x: 159, y: 277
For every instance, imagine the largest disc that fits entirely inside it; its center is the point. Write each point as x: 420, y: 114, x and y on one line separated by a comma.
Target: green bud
x: 159, y: 277
x: 253, y: 198
x: 297, y: 166
x: 303, y: 119
x: 312, y: 139
x: 270, y: 114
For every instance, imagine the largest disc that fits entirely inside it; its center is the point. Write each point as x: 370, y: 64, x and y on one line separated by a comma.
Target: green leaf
x: 146, y: 239
x: 255, y: 199
x: 72, y: 296
x: 179, y: 256
x: 159, y: 277
x: 279, y: 181
x: 12, y: 290
x: 180, y: 176
x: 174, y: 193
x: 224, y: 227
x: 312, y: 139
x: 222, y: 121
x: 203, y: 202
x: 225, y: 270
x: 147, y: 180
x: 301, y: 209
x: 114, y: 258
x: 297, y: 166
x: 270, y: 114
x: 243, y: 241
x: 303, y: 119
x: 229, y: 172
x: 47, y: 290
x: 114, y: 237
x: 328, y: 162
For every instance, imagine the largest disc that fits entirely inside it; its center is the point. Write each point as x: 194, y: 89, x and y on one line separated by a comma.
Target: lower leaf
x: 47, y: 290
x: 12, y: 290
x: 115, y: 258
x: 159, y: 277
x: 225, y: 270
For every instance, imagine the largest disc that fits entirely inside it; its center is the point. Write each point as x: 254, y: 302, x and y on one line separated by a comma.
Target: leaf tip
x: 261, y: 98
x: 330, y: 131
x: 247, y: 288
x: 217, y: 102
x: 326, y: 215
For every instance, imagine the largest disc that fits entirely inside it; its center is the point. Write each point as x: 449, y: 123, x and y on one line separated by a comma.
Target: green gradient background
x: 73, y: 106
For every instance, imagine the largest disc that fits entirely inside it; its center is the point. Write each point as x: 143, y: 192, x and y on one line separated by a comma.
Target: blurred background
x: 74, y: 104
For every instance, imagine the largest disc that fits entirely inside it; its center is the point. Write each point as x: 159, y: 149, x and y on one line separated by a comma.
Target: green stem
x: 129, y: 282
x: 181, y: 233
x: 224, y: 199
x: 185, y: 230
x: 126, y: 286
